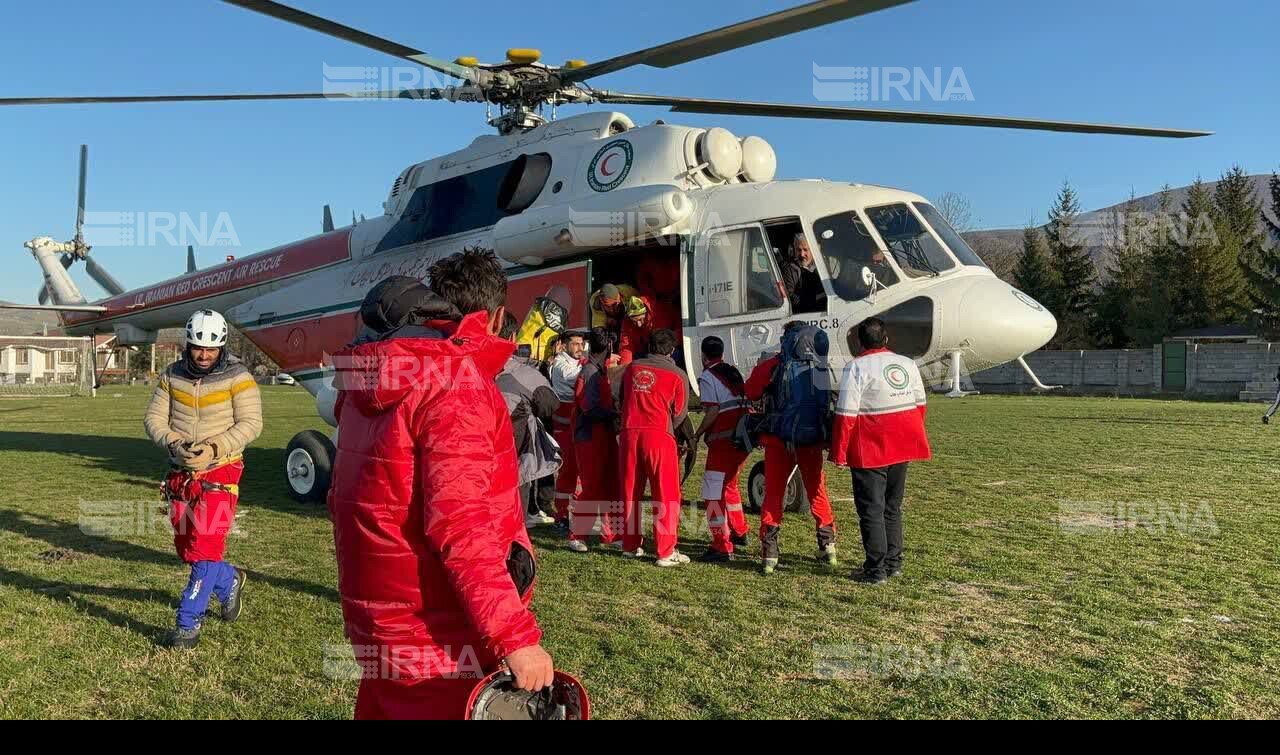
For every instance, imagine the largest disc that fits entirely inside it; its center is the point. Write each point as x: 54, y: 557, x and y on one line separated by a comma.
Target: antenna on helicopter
x: 191, y: 259
x: 327, y: 223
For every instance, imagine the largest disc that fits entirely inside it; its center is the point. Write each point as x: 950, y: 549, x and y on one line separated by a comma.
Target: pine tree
x: 1198, y: 296
x: 1262, y: 269
x: 1123, y: 297
x: 1073, y: 270
x: 1235, y: 214
x: 1155, y: 319
x: 1032, y: 274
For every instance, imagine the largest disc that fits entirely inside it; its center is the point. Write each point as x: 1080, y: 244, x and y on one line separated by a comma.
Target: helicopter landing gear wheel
x: 308, y: 466
x: 793, y: 499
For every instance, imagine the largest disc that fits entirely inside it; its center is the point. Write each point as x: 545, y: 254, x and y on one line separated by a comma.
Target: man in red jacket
x: 780, y: 462
x: 724, y: 402
x: 879, y: 430
x: 435, y: 568
x: 655, y: 402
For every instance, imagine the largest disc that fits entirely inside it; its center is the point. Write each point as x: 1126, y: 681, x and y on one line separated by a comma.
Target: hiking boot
x: 827, y: 556
x: 577, y: 546
x: 234, y: 604
x: 183, y: 639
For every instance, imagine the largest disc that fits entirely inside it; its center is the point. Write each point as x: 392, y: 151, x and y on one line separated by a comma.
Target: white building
x: 27, y: 360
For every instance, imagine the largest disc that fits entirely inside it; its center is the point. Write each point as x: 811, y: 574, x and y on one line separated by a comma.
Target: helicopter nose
x: 1002, y: 323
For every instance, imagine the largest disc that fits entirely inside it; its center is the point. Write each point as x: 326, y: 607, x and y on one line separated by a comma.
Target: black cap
x: 393, y: 303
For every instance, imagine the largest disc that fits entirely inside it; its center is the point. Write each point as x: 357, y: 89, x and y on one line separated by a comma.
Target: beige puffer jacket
x: 223, y: 408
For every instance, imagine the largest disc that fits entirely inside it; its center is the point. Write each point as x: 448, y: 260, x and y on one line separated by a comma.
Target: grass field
x: 1066, y: 557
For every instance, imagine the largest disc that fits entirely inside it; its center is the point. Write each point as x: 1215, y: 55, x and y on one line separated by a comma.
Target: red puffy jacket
x: 435, y: 567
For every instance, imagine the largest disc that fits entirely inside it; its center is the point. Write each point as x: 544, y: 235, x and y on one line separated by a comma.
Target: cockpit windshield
x: 847, y: 248
x: 959, y: 248
x: 918, y: 253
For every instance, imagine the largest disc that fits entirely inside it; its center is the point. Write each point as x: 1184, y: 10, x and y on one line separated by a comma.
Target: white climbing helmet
x: 207, y: 329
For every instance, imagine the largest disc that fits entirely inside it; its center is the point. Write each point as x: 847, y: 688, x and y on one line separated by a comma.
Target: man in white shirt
x: 564, y: 376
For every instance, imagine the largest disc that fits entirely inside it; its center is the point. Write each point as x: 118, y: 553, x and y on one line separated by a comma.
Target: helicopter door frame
x: 746, y: 335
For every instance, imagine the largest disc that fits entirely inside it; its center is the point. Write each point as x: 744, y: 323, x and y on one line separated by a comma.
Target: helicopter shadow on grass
x: 143, y: 465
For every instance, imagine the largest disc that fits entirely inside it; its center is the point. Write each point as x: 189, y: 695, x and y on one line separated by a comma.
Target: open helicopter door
x: 738, y: 293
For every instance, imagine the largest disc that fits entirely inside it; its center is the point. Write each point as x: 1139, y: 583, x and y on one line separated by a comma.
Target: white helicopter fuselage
x: 583, y: 193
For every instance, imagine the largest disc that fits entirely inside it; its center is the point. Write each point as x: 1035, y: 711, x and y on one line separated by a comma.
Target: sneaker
x: 577, y: 546
x: 538, y: 520
x: 770, y: 565
x: 864, y: 577
x: 234, y: 604
x: 675, y: 559
x: 184, y: 639
x: 713, y: 556
x: 739, y: 541
x: 895, y: 572
x: 637, y: 553
x: 828, y: 556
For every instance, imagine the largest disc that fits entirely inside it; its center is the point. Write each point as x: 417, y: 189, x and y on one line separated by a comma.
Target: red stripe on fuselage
x: 247, y: 272
x: 306, y: 344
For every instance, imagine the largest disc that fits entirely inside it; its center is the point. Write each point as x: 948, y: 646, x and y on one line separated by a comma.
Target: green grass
x: 1066, y: 557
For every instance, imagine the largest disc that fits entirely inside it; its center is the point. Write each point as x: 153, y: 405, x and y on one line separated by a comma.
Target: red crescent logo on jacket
x: 645, y: 380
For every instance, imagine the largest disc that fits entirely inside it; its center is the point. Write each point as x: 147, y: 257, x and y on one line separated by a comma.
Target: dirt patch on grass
x: 60, y: 555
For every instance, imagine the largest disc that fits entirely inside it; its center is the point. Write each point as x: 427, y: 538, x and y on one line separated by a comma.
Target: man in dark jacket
x: 435, y: 568
x: 801, y: 280
x: 528, y: 394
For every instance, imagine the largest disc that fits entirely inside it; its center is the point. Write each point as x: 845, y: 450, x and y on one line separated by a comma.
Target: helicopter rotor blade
x: 743, y: 34
x: 84, y: 169
x: 348, y: 34
x: 828, y: 112
x: 404, y: 94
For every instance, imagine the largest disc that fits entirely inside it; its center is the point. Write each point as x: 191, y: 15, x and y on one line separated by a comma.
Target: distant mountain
x: 1000, y: 246
x: 16, y: 322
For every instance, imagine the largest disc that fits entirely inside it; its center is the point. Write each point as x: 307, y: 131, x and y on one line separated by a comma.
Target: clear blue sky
x: 272, y: 166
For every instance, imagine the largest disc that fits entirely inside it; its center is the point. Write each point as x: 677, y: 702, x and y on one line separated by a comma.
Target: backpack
x: 800, y: 406
x: 548, y: 318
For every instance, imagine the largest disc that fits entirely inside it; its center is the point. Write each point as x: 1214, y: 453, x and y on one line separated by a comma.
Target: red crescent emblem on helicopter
x: 604, y: 164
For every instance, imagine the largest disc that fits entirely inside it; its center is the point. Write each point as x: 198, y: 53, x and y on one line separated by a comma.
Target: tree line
x: 1212, y: 260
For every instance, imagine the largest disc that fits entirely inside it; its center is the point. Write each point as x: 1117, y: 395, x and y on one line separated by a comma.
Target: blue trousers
x: 208, y: 578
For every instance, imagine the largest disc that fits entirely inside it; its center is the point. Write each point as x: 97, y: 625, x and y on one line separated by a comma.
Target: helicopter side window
x: 918, y: 253
x: 847, y: 248
x: 959, y: 247
x: 740, y: 276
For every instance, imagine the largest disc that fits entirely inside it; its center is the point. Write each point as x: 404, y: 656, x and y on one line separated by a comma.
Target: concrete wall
x: 1213, y: 370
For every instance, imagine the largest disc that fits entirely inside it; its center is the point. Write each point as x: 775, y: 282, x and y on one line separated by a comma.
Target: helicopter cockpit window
x: 917, y: 252
x: 959, y: 247
x: 740, y: 275
x: 847, y: 247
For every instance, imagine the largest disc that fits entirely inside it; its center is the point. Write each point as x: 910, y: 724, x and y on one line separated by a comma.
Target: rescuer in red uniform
x: 655, y: 401
x: 780, y: 462
x: 724, y: 402
x: 435, y: 569
x: 596, y: 447
x: 637, y: 329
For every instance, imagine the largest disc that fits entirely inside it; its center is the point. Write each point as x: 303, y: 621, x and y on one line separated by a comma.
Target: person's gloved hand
x: 200, y: 455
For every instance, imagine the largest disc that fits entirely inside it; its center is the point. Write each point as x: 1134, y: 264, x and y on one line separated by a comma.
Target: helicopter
x: 573, y: 203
